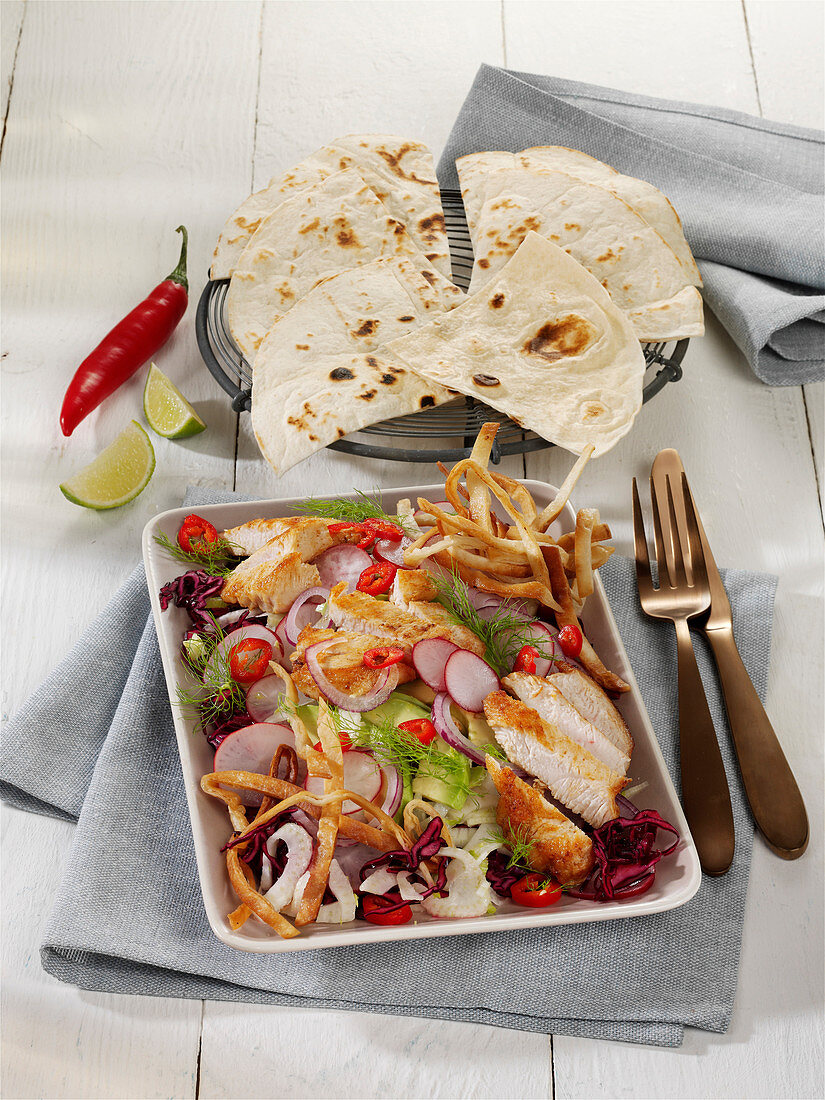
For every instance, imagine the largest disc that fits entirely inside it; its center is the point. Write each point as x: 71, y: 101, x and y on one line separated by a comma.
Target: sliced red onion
x: 383, y: 688
x: 286, y: 648
x: 222, y: 649
x: 469, y: 680
x: 262, y: 699
x: 429, y: 657
x: 304, y: 612
x: 449, y: 731
x: 344, y: 562
x: 392, y: 552
x: 361, y: 776
x: 251, y: 749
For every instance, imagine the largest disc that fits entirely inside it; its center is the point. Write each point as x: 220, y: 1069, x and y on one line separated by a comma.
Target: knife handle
x: 772, y: 791
x: 705, y: 793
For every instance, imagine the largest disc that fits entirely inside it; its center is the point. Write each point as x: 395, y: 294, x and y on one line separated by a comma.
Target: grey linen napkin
x: 750, y: 193
x: 129, y: 917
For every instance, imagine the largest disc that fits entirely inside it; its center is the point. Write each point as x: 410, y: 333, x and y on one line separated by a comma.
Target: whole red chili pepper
x: 128, y: 346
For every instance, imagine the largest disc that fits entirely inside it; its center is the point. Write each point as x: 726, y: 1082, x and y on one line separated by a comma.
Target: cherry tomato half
x: 196, y: 534
x: 377, y: 578
x: 383, y: 656
x: 570, y: 640
x: 249, y: 660
x: 422, y: 728
x: 375, y: 913
x: 526, y: 659
x: 344, y: 738
x: 535, y: 892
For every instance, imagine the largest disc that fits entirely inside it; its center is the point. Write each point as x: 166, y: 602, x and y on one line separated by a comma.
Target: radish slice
x: 344, y: 562
x: 393, y: 790
x: 469, y: 680
x: 251, y: 750
x: 429, y: 657
x: 361, y: 775
x: 303, y: 612
x: 221, y: 652
x: 392, y: 552
x: 262, y: 699
x: 352, y: 858
x: 385, y: 685
x: 543, y: 639
x: 449, y: 731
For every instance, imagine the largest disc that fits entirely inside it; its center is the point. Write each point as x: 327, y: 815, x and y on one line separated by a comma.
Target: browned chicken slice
x: 343, y: 664
x: 280, y: 571
x: 557, y: 846
x: 412, y: 584
x: 251, y: 536
x: 591, y: 702
x: 573, y: 775
x: 364, y: 614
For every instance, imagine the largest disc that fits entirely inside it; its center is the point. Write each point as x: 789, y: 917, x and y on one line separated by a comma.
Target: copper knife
x: 772, y: 791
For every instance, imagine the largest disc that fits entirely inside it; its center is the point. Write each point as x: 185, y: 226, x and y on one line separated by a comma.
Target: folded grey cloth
x: 750, y: 193
x: 96, y: 741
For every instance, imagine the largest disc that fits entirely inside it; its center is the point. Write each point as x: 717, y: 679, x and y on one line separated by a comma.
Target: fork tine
x: 665, y: 575
x: 643, y: 577
x: 697, y: 554
x: 679, y: 576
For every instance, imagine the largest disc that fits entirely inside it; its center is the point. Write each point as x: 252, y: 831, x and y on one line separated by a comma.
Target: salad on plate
x: 406, y: 715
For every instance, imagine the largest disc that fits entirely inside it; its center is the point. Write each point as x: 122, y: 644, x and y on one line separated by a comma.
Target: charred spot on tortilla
x: 432, y: 228
x: 497, y: 301
x: 570, y: 226
x: 431, y: 277
x: 341, y: 374
x: 608, y: 255
x: 486, y: 380
x: 372, y: 361
x: 388, y: 379
x: 394, y: 164
x: 367, y: 328
x: 484, y: 263
x: 569, y: 335
x: 406, y: 320
x: 312, y: 225
x: 341, y: 433
x: 427, y: 401
x: 368, y: 396
x: 592, y: 410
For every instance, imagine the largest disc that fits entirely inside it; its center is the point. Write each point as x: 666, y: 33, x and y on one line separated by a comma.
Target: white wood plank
x: 815, y: 405
x: 301, y: 1053
x: 125, y: 121
x: 58, y: 1041
x: 11, y: 21
x: 786, y: 45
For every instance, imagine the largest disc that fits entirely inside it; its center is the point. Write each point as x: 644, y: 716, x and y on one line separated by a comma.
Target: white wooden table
x: 124, y: 119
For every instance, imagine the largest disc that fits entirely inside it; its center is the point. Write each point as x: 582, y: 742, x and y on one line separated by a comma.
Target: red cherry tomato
x: 377, y: 578
x: 526, y: 659
x: 570, y: 640
x: 196, y: 534
x: 383, y: 656
x: 375, y: 913
x: 344, y: 738
x: 249, y: 660
x: 535, y: 892
x: 422, y: 728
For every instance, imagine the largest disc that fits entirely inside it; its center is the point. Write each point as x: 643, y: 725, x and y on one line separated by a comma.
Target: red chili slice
x: 346, y: 525
x: 526, y: 659
x: 196, y: 534
x: 384, y: 530
x: 377, y: 578
x: 249, y: 660
x: 422, y: 728
x: 383, y: 656
x: 570, y: 640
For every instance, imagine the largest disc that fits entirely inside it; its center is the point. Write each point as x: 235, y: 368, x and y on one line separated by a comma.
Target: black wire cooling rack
x: 447, y: 431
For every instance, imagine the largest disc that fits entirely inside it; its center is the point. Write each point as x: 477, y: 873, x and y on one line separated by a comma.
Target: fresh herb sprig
x: 336, y: 508
x: 503, y: 635
x: 521, y: 848
x: 217, y: 558
x: 216, y: 695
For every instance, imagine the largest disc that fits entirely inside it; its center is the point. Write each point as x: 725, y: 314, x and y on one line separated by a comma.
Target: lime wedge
x: 117, y: 475
x: 167, y: 410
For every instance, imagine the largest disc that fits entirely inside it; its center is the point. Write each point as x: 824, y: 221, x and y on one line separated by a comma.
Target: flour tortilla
x: 616, y: 245
x: 645, y: 199
x: 545, y: 344
x: 400, y: 172
x: 313, y: 234
x: 322, y: 370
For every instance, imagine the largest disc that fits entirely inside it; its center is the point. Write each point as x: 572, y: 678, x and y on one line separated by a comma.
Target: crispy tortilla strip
x: 238, y: 917
x: 250, y: 897
x: 554, y: 508
x: 601, y: 532
x: 586, y: 519
x: 315, y: 761
x: 328, y: 825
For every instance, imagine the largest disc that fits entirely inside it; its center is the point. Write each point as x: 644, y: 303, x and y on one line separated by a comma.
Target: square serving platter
x: 677, y: 878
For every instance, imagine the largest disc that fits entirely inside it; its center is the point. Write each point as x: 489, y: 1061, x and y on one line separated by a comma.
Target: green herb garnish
x: 217, y: 695
x: 217, y: 560
x: 521, y: 848
x: 402, y: 750
x: 365, y: 507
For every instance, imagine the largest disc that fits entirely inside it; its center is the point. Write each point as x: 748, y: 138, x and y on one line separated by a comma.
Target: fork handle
x: 705, y: 794
x: 772, y: 791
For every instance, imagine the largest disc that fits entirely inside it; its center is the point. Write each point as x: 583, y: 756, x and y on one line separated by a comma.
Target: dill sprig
x: 217, y: 560
x: 336, y: 508
x: 216, y: 695
x: 503, y: 635
x: 521, y: 848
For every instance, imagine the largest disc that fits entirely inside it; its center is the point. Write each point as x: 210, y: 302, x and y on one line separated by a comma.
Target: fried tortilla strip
x: 238, y: 917
x: 586, y: 519
x: 315, y: 761
x: 601, y: 532
x: 328, y: 824
x: 250, y: 897
x: 556, y: 505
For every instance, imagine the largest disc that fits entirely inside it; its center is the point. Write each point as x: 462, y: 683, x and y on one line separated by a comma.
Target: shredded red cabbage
x: 256, y: 840
x: 235, y: 721
x: 427, y: 846
x: 501, y: 875
x: 191, y: 590
x: 625, y: 857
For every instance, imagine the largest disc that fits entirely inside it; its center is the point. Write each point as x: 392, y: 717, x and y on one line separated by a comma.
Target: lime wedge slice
x: 167, y: 410
x: 117, y: 475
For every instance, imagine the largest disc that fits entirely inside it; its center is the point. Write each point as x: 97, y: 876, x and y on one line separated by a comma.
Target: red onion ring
x: 344, y: 562
x: 383, y: 688
x: 449, y: 731
x: 300, y: 615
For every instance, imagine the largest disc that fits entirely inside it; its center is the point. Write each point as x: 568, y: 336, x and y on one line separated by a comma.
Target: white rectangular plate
x: 677, y: 877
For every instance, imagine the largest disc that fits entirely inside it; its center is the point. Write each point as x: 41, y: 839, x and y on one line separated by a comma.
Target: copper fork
x: 705, y: 794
